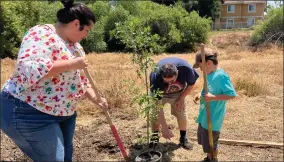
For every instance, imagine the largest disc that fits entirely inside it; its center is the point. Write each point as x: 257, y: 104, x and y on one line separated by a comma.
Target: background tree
x: 209, y: 8
x: 190, y: 5
x: 270, y: 30
x: 178, y: 30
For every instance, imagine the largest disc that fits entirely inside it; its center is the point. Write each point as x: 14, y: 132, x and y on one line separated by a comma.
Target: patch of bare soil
x: 230, y: 39
x: 10, y: 152
x: 95, y: 142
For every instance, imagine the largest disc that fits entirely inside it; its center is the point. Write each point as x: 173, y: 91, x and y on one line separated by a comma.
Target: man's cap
x: 209, y: 55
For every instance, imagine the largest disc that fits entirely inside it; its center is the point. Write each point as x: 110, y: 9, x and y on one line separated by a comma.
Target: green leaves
x: 100, y: 9
x: 19, y: 16
x: 153, y: 29
x: 132, y: 26
x: 166, y: 27
x: 95, y: 40
x: 271, y: 30
x: 136, y: 34
x: 149, y: 105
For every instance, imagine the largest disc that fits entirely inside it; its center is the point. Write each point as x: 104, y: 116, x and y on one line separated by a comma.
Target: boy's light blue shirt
x: 218, y: 83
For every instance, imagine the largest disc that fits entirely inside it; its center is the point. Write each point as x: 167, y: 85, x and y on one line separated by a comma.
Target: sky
x: 271, y: 2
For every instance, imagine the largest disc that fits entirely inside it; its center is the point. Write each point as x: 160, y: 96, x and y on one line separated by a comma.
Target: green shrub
x: 100, y: 9
x: 95, y: 40
x: 116, y: 15
x: 136, y: 37
x: 194, y: 29
x: 270, y: 30
x: 130, y: 5
x: 172, y: 27
x: 176, y: 29
x: 48, y: 11
x: 17, y: 18
x: 162, y: 21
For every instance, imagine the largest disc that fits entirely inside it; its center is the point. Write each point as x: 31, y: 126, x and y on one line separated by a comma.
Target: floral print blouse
x: 58, y: 95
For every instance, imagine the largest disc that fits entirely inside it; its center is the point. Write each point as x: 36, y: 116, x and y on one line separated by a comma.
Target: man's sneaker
x: 154, y: 140
x: 214, y: 160
x: 183, y: 142
x: 206, y: 159
x: 210, y: 160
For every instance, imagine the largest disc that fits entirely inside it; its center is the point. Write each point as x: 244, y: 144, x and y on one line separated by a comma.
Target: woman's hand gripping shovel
x: 210, y: 135
x: 113, y: 129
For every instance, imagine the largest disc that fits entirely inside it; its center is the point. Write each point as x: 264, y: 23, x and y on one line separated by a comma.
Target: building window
x: 251, y: 8
x: 231, y: 8
x: 251, y: 21
x: 230, y: 23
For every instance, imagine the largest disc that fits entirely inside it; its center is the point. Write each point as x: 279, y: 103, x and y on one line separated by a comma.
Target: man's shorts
x: 180, y: 114
x: 202, y: 138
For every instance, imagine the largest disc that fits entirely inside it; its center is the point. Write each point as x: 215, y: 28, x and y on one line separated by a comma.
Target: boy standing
x: 220, y: 89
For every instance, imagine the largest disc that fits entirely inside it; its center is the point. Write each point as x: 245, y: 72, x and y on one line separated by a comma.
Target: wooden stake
x: 210, y: 134
x: 246, y: 142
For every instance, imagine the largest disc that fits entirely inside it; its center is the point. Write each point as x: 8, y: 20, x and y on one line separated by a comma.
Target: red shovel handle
x: 119, y: 143
x: 113, y: 129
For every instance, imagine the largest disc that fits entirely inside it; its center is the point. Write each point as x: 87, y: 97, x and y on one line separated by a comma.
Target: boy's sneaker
x: 183, y: 142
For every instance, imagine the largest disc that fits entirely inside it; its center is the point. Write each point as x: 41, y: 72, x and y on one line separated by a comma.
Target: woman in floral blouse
x: 38, y: 101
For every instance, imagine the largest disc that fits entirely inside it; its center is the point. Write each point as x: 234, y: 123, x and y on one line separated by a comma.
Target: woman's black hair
x: 72, y: 11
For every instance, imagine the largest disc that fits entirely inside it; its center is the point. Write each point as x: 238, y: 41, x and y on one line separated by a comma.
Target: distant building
x: 240, y: 14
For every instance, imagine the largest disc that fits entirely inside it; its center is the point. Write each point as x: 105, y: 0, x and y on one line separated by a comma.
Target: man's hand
x: 209, y: 97
x: 180, y: 104
x: 102, y: 104
x: 167, y: 133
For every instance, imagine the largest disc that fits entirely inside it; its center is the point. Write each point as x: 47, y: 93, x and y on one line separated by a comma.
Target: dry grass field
x: 256, y: 114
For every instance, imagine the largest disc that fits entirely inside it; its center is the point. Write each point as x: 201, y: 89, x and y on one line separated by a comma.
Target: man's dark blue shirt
x: 186, y: 76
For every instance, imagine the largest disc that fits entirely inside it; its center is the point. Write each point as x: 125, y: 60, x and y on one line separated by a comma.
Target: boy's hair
x: 209, y: 55
x: 168, y: 70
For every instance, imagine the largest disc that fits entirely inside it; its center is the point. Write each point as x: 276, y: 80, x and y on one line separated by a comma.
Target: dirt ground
x: 256, y: 114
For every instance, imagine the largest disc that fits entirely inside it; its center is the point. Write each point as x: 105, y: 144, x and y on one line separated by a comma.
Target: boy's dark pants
x: 202, y: 138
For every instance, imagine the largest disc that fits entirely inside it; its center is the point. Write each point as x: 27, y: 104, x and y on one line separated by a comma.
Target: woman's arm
x: 66, y: 65
x: 91, y: 95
